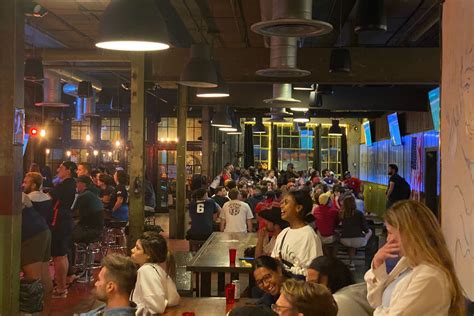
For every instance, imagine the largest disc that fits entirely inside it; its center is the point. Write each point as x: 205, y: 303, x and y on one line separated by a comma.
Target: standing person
x: 85, y: 169
x: 63, y: 196
x: 424, y: 281
x: 305, y: 299
x: 257, y: 197
x: 355, y: 230
x: 236, y: 216
x: 221, y: 196
x: 35, y: 245
x: 41, y: 201
x: 271, y: 178
x: 267, y: 235
x: 353, y: 184
x: 203, y: 212
x: 114, y: 284
x: 298, y: 244
x: 288, y: 174
x: 155, y: 288
x: 398, y: 189
x: 120, y: 209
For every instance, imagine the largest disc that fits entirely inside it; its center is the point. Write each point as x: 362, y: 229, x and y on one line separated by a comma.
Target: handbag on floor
x: 31, y: 296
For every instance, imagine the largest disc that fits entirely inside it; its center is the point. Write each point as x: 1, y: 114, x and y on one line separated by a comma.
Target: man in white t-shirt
x: 236, y: 216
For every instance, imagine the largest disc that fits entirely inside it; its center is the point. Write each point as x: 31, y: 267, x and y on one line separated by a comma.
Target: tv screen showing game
x: 394, y: 128
x: 433, y: 95
x: 367, y: 133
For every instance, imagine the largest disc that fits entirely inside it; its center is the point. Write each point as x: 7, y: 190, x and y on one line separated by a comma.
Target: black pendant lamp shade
x: 221, y: 118
x: 340, y: 60
x: 34, y: 69
x: 371, y: 16
x: 200, y: 71
x: 221, y: 91
x: 259, y: 128
x: 84, y: 89
x: 133, y: 25
x: 335, y: 129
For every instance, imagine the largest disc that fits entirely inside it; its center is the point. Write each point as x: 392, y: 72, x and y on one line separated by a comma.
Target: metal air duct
x: 51, y: 91
x: 282, y: 95
x: 292, y: 18
x: 283, y: 54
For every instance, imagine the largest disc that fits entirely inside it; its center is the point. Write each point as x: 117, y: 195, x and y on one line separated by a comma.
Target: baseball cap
x: 324, y: 198
x: 273, y: 215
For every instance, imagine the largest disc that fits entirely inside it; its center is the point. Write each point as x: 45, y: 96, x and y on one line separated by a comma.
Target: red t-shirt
x: 263, y: 205
x: 353, y: 184
x: 326, y: 219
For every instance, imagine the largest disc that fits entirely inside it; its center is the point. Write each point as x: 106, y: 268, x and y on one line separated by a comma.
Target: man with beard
x: 114, y: 284
x: 398, y: 189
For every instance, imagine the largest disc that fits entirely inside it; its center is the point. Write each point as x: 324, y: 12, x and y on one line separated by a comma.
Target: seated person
x: 305, y: 299
x: 155, y: 288
x: 107, y: 191
x: 274, y: 225
x: 236, y: 216
x: 114, y: 284
x: 90, y: 210
x: 203, y: 212
x: 269, y: 276
x: 327, y: 218
x: 330, y: 272
x: 120, y: 208
x: 220, y: 196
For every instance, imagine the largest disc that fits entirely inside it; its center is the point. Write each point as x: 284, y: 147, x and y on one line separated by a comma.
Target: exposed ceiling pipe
x: 75, y: 76
x: 426, y: 22
x: 283, y: 55
x: 51, y: 91
x: 265, y: 15
x: 282, y: 95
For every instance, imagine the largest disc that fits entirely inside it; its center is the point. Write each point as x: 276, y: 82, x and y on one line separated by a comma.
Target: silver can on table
x: 237, y: 289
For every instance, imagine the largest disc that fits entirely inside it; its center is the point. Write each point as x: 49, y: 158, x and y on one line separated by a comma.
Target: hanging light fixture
x: 258, y: 128
x: 335, y: 129
x: 132, y: 26
x: 84, y: 89
x: 371, y: 16
x: 34, y: 69
x: 221, y: 91
x: 300, y: 117
x: 238, y: 129
x: 221, y: 118
x: 340, y: 60
x: 304, y: 87
x: 200, y: 71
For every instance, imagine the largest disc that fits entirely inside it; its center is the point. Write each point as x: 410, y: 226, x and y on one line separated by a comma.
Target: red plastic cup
x: 232, y: 255
x: 230, y: 294
x: 188, y: 314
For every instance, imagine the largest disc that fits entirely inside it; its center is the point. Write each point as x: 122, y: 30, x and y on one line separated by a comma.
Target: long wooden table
x: 209, y: 306
x: 214, y: 257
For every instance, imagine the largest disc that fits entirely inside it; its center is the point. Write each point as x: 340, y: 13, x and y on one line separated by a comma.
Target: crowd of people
x: 296, y: 216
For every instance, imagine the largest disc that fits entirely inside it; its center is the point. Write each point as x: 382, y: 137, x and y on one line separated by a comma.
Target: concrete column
x: 11, y: 169
x: 177, y: 214
x: 137, y: 150
x: 206, y: 136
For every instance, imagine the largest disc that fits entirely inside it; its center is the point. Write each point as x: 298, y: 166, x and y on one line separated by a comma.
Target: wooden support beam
x: 11, y: 166
x: 177, y: 214
x: 137, y: 151
x: 369, y: 65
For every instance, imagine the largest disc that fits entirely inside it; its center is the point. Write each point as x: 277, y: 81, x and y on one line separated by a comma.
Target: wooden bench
x: 184, y: 279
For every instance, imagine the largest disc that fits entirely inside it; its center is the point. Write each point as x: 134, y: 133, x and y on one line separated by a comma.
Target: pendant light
x: 200, y: 71
x: 136, y: 25
x: 233, y: 128
x: 340, y: 60
x: 303, y: 87
x: 300, y: 117
x: 221, y: 91
x: 371, y: 16
x: 335, y: 129
x: 221, y: 118
x: 34, y: 69
x: 259, y: 128
x: 238, y: 127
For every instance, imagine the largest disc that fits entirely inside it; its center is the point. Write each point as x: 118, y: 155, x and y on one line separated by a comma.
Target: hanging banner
x: 416, y: 167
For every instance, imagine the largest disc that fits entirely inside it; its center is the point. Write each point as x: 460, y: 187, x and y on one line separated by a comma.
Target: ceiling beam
x: 369, y: 65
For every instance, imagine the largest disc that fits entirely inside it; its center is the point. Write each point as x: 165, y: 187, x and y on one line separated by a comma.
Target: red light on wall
x: 34, y: 131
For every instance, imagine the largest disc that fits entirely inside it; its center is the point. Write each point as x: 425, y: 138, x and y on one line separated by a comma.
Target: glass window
x: 110, y: 128
x: 79, y: 129
x: 261, y: 146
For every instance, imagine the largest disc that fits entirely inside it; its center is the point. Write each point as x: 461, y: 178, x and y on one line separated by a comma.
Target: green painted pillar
x: 177, y: 229
x: 11, y: 166
x: 136, y: 170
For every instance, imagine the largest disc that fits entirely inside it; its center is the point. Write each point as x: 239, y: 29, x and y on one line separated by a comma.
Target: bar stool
x: 115, y: 238
x: 85, y: 260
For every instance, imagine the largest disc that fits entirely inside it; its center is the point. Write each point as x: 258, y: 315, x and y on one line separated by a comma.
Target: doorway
x: 431, y: 180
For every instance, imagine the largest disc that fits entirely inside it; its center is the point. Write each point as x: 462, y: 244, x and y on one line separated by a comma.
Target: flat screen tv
x: 367, y: 133
x: 433, y: 95
x: 26, y: 137
x: 394, y: 128
x: 306, y: 140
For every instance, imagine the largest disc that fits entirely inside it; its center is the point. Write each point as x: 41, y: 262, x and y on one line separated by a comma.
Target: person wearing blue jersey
x: 203, y: 212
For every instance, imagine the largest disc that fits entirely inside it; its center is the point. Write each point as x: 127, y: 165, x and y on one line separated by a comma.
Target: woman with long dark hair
x: 297, y: 245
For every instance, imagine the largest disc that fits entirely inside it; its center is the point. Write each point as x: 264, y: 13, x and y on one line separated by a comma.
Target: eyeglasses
x: 278, y: 309
x: 266, y: 278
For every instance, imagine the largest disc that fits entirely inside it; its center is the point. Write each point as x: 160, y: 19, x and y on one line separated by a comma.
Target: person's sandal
x: 59, y: 294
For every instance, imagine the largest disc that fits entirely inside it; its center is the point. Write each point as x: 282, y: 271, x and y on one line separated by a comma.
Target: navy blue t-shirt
x: 201, y: 213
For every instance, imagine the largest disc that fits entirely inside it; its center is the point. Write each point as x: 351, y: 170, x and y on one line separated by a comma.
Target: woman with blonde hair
x: 423, y: 282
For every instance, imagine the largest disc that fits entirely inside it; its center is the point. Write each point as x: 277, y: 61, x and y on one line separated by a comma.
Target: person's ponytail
x: 171, y: 265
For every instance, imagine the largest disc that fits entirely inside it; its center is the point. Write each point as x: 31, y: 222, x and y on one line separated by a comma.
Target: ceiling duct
x: 278, y: 115
x: 51, y: 91
x: 282, y: 95
x: 89, y: 106
x: 292, y: 18
x: 283, y: 54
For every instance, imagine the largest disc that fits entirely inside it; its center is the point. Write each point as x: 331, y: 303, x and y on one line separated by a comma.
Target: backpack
x: 405, y: 189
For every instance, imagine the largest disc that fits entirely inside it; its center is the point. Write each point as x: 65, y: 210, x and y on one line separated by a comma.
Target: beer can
x: 236, y: 283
